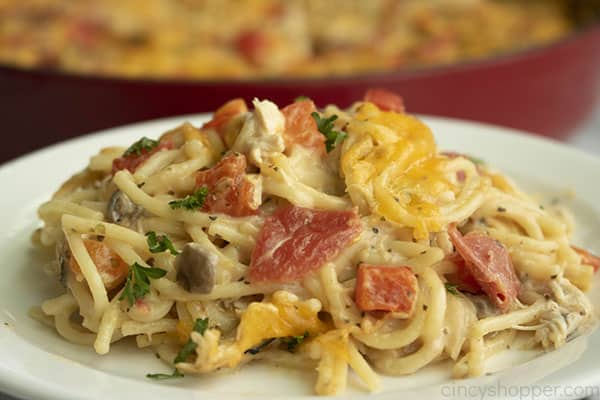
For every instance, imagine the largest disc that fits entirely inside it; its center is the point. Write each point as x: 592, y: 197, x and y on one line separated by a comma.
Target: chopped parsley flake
x: 144, y: 144
x: 158, y: 244
x: 451, y: 288
x: 192, y: 201
x: 290, y: 343
x: 325, y: 126
x: 200, y: 326
x: 161, y: 377
x: 138, y: 282
x: 293, y: 342
x: 257, y: 349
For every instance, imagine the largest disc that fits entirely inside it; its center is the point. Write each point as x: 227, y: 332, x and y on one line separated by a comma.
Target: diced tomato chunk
x: 385, y: 100
x: 588, y: 258
x: 111, y: 267
x: 386, y: 288
x: 226, y: 113
x: 132, y: 161
x: 301, y: 127
x: 86, y: 33
x: 295, y: 241
x: 490, y: 264
x: 229, y: 192
x: 252, y: 45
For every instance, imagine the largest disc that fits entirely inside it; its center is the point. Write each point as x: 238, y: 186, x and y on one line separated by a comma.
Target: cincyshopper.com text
x: 533, y: 392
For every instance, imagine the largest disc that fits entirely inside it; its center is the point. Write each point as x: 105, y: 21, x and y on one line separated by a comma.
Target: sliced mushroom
x: 123, y: 211
x: 196, y: 268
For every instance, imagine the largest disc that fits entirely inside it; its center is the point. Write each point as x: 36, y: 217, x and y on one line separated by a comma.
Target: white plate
x: 35, y: 363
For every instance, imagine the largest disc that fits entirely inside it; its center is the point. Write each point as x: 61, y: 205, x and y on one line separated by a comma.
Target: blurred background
x: 69, y: 67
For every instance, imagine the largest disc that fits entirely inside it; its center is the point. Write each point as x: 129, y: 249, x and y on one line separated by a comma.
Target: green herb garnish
x: 158, y: 244
x: 144, y: 144
x: 293, y: 342
x: 290, y: 342
x: 255, y: 350
x: 185, y: 351
x: 138, y: 282
x: 192, y: 201
x: 301, y: 98
x: 200, y: 326
x: 161, y: 377
x: 325, y: 126
x: 451, y: 288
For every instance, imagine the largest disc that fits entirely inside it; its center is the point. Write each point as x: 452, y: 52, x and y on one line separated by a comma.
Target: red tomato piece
x: 490, y: 264
x: 87, y: 33
x: 588, y: 258
x: 229, y: 192
x: 295, y: 241
x: 462, y: 278
x: 252, y: 45
x: 385, y: 100
x: 226, y: 113
x: 301, y: 127
x: 132, y: 161
x: 385, y: 288
x: 110, y: 266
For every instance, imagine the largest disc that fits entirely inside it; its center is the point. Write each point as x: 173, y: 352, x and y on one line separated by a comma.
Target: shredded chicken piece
x: 566, y: 316
x: 261, y: 133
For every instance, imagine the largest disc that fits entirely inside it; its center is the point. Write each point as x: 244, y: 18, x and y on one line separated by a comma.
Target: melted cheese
x: 418, y: 191
x: 284, y: 316
x: 401, y: 126
x: 334, y: 342
x: 419, y: 187
x: 399, y: 152
x: 377, y: 140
